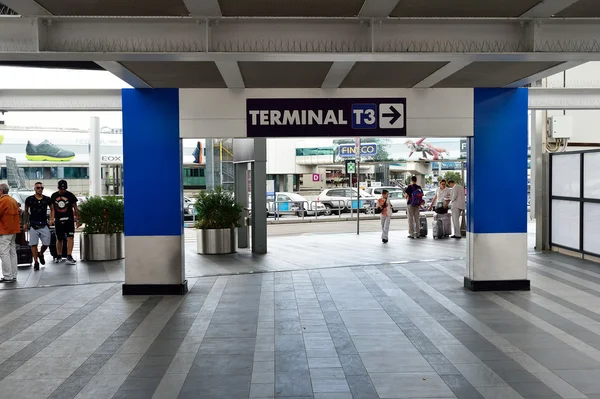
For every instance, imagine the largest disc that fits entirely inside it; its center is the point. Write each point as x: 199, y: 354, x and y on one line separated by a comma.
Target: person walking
x: 10, y: 226
x: 36, y: 221
x: 64, y: 214
x: 457, y: 206
x: 385, y: 209
x: 414, y: 200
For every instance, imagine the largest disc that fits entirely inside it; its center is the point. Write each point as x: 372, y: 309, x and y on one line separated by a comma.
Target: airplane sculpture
x: 426, y: 149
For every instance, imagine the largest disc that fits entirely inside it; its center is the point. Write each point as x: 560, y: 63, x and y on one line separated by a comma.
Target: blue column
x: 497, y: 191
x: 153, y: 193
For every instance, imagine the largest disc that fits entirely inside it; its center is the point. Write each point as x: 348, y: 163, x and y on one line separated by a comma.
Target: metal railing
x: 302, y: 208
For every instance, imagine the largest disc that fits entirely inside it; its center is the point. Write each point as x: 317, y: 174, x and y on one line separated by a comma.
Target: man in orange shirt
x: 10, y: 225
x: 386, y: 215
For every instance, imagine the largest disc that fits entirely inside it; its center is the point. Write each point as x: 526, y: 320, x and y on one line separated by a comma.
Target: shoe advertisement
x: 55, y: 147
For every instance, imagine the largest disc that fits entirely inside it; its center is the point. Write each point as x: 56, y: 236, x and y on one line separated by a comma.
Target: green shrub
x: 217, y: 210
x: 102, y: 215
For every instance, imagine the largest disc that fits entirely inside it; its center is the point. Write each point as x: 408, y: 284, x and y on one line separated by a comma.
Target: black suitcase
x: 423, y: 225
x: 24, y: 256
x: 53, y: 250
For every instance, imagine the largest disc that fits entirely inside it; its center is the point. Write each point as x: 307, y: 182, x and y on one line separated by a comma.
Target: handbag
x: 379, y: 209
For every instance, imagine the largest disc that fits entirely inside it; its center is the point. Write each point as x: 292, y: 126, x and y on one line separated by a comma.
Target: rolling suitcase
x: 441, y: 225
x: 24, y: 256
x: 53, y: 250
x: 423, y: 226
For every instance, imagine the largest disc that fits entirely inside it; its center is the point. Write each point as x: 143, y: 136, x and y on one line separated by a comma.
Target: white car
x: 292, y: 203
x: 376, y: 191
x: 337, y: 200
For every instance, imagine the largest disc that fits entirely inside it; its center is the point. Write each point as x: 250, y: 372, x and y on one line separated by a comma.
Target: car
x: 337, y: 200
x: 397, y: 200
x: 292, y: 203
x: 376, y: 191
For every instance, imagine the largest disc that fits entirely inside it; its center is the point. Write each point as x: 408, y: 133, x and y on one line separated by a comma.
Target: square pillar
x: 259, y: 197
x: 497, y: 192
x: 153, y: 193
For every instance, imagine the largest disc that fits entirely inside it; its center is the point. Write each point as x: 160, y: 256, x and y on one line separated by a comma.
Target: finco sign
x: 349, y: 150
x: 338, y: 117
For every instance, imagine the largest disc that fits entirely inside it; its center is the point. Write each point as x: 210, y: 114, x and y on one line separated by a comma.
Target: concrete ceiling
x: 304, y: 43
x: 463, y: 8
x: 308, y: 8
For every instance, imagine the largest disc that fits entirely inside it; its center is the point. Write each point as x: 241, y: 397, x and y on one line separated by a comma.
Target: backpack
x: 416, y: 199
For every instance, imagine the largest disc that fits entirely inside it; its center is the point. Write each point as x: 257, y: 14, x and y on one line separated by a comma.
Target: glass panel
x: 591, y: 166
x: 565, y: 223
x: 591, y: 228
x: 566, y: 172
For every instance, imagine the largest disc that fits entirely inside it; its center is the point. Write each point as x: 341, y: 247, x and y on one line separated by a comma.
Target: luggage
x: 423, y: 226
x: 442, y: 225
x: 53, y: 250
x: 24, y: 256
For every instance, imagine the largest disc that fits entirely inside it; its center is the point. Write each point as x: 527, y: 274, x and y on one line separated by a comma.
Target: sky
x: 41, y: 78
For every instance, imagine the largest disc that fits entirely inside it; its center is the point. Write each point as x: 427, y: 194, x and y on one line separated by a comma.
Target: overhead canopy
x: 306, y: 43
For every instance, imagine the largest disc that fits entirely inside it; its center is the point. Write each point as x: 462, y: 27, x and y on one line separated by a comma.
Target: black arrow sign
x: 395, y: 115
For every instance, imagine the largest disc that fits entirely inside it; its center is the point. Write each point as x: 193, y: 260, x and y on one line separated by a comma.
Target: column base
x: 498, y: 285
x: 155, y: 289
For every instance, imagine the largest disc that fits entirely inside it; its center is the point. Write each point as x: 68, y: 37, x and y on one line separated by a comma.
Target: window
x: 283, y: 197
x: 303, y: 152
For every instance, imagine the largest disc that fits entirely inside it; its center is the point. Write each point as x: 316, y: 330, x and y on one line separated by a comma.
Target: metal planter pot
x: 98, y: 247
x: 216, y: 241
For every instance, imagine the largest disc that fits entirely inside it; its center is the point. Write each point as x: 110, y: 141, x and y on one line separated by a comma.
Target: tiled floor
x: 405, y: 330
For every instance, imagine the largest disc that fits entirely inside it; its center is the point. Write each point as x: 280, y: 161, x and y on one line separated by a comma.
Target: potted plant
x: 104, y: 221
x: 218, y: 216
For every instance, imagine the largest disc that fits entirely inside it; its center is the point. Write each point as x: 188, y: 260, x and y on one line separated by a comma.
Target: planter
x: 97, y: 247
x: 216, y: 241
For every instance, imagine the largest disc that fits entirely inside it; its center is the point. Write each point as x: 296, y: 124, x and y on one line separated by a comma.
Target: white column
x: 94, y: 149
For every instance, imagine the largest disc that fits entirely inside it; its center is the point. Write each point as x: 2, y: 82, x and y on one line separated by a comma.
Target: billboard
x: 46, y: 146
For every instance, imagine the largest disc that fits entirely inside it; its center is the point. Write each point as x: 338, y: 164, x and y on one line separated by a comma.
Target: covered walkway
x: 402, y: 330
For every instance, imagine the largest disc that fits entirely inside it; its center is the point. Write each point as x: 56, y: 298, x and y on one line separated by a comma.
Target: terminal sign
x: 314, y: 117
x: 349, y: 150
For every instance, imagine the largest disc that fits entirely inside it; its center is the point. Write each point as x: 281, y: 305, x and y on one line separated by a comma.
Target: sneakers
x: 58, y: 259
x: 70, y: 260
x: 42, y: 259
x: 36, y: 266
x: 46, y: 151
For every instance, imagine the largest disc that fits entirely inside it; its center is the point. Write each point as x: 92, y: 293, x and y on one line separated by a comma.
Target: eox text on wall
x: 315, y: 117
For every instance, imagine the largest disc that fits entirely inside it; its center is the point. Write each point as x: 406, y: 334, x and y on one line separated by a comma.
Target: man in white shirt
x: 457, y: 206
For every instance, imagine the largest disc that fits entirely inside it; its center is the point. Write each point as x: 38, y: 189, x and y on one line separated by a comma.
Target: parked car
x: 397, y: 200
x: 337, y: 200
x: 376, y: 191
x: 292, y: 203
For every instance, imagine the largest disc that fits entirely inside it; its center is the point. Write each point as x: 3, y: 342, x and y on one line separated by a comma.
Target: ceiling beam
x: 26, y: 7
x: 447, y: 70
x: 548, y: 8
x: 337, y: 73
x: 230, y: 71
x: 203, y: 8
x: 545, y: 73
x: 377, y: 8
x: 117, y: 69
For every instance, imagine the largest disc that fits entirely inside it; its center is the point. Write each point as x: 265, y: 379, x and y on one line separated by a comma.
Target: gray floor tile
x: 410, y: 385
x: 226, y: 346
x: 290, y: 362
x: 293, y: 384
x: 222, y: 365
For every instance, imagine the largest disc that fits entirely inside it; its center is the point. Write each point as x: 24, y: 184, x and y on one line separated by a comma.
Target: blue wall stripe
x: 152, y: 163
x: 497, y: 162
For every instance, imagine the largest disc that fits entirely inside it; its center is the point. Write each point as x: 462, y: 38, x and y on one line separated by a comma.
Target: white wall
x: 281, y: 158
x: 222, y: 113
x: 586, y: 124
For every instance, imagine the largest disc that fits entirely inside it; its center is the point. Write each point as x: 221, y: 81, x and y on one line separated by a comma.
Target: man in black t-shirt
x: 412, y: 209
x: 36, y: 221
x: 64, y: 215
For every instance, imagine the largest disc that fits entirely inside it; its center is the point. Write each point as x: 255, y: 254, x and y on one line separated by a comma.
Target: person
x: 36, y: 221
x: 442, y: 195
x: 386, y: 215
x: 414, y: 200
x: 10, y: 226
x: 457, y: 206
x: 63, y: 214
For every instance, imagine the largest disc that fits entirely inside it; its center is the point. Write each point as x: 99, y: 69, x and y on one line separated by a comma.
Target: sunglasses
x: 39, y: 188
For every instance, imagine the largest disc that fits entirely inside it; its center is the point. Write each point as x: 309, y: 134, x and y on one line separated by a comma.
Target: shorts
x: 65, y: 229
x: 39, y: 234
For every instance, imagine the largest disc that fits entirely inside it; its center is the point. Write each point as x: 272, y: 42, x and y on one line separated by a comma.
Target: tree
x: 452, y: 176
